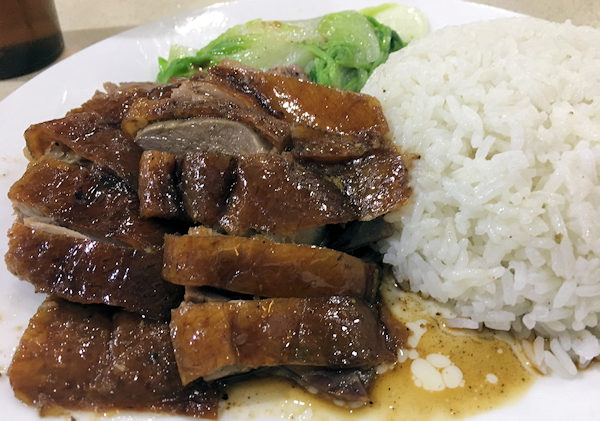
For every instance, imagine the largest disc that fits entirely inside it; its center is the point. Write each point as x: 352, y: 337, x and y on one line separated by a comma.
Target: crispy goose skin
x: 201, y: 86
x: 263, y: 268
x: 114, y: 103
x: 88, y: 200
x: 240, y: 194
x: 320, y: 146
x: 92, y: 131
x: 87, y: 135
x: 193, y: 187
x: 308, y: 104
x: 159, y: 197
x: 86, y: 271
x: 206, y: 180
x: 275, y: 194
x: 315, y: 122
x: 75, y: 357
x: 375, y: 184
x: 213, y: 339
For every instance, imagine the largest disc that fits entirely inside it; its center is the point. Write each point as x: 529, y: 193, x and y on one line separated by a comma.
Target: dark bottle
x: 30, y: 36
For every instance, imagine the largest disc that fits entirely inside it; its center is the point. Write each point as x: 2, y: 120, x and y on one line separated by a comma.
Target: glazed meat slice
x: 201, y: 86
x: 219, y: 135
x: 375, y: 183
x: 202, y: 134
x: 260, y: 267
x: 274, y: 193
x: 92, y: 131
x: 194, y: 186
x: 213, y: 339
x: 346, y: 387
x: 350, y: 386
x: 320, y: 146
x: 206, y: 182
x: 87, y: 135
x: 86, y: 199
x: 144, y: 111
x: 64, y: 263
x: 114, y: 103
x: 157, y: 191
x: 313, y: 121
x: 308, y: 104
x: 75, y: 357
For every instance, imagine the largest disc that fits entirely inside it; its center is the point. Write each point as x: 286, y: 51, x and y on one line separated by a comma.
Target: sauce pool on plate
x: 479, y: 372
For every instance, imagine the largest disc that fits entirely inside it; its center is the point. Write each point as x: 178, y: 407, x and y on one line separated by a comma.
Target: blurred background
x: 85, y: 22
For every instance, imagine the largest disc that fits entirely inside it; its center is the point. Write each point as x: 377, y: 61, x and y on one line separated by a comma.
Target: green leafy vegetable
x: 409, y: 22
x: 339, y: 49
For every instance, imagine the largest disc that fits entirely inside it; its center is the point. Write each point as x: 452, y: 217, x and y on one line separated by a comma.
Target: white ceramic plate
x: 132, y: 56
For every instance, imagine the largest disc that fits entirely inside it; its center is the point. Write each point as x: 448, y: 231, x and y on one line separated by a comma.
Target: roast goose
x: 231, y: 185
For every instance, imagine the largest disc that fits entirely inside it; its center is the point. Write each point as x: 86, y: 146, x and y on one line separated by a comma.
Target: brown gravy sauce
x: 494, y: 374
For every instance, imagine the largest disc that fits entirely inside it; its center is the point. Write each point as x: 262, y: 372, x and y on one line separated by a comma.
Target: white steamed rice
x: 504, y: 223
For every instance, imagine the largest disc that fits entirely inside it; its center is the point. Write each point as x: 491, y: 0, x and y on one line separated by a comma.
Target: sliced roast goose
x: 214, y: 339
x: 64, y: 263
x: 260, y: 267
x: 86, y: 199
x: 307, y: 103
x: 157, y: 186
x: 87, y: 135
x: 76, y: 357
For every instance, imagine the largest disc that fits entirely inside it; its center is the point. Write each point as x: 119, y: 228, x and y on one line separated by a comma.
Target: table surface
x: 85, y: 22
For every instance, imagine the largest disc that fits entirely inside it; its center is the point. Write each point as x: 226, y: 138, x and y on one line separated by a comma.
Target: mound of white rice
x: 504, y: 223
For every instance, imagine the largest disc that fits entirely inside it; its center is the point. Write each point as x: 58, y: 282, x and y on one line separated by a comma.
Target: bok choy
x: 338, y: 49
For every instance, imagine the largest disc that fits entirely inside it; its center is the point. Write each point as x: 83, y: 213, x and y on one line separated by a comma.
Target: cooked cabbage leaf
x: 339, y: 49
